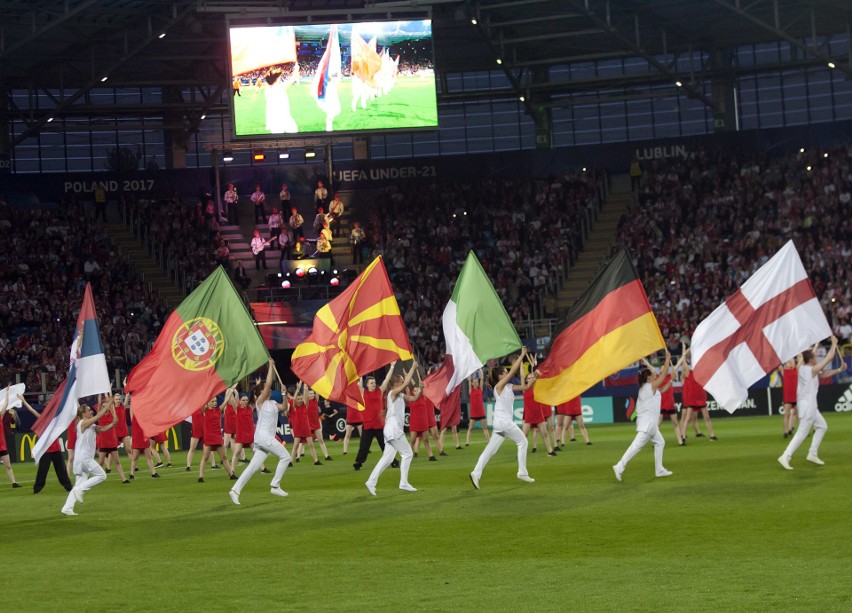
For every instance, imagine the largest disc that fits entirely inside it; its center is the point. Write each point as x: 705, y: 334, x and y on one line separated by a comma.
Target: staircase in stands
x: 596, y: 249
x: 157, y: 279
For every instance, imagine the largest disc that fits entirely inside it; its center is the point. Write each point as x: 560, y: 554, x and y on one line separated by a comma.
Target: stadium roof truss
x: 59, y: 51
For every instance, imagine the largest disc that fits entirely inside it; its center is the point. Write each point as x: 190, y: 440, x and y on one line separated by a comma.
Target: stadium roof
x: 79, y: 45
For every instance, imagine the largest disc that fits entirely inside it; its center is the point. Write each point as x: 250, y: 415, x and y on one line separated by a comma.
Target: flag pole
x: 275, y: 370
x: 269, y: 323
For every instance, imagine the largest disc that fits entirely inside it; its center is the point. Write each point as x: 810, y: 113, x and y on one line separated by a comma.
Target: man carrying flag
x: 610, y: 326
x: 771, y: 318
x: 87, y: 376
x: 207, y: 344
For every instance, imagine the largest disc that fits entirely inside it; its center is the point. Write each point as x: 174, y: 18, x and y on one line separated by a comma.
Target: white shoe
x: 785, y: 462
x: 526, y: 478
x: 235, y: 498
x: 78, y: 494
x: 664, y: 473
x: 371, y: 488
x: 408, y: 487
x: 475, y: 480
x: 277, y: 491
x: 618, y: 472
x: 68, y: 511
x: 812, y: 457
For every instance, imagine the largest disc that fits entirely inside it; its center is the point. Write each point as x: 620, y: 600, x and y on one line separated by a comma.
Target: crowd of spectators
x: 705, y: 224
x: 46, y: 259
x: 184, y: 236
x: 526, y: 234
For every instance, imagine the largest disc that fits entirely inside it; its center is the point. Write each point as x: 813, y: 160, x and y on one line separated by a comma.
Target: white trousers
x: 400, y: 445
x: 87, y: 475
x: 805, y: 425
x: 640, y: 441
x: 261, y: 452
x: 502, y: 432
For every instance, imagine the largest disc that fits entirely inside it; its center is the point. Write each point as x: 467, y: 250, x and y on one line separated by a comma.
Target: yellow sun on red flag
x: 356, y: 333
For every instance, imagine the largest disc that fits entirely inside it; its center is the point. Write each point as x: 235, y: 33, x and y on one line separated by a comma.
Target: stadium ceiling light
x: 825, y: 155
x: 104, y: 79
x: 203, y: 116
x: 283, y: 154
x: 522, y: 99
x: 832, y: 65
x: 49, y: 119
x: 802, y: 150
x: 808, y: 168
x: 499, y: 61
x: 162, y: 35
x: 679, y: 83
x: 227, y: 156
x: 473, y: 21
x: 310, y: 153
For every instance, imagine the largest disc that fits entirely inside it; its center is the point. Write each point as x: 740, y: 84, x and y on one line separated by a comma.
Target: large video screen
x: 319, y: 79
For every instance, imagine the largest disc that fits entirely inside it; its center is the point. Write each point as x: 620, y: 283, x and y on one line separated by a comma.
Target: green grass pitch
x: 410, y: 104
x: 730, y: 530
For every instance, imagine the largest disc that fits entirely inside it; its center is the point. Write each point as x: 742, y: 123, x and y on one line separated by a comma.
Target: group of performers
x: 97, y: 432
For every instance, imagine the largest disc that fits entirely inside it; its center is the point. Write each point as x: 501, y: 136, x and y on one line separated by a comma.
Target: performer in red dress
x: 314, y: 422
x: 418, y: 421
x: 695, y: 402
x: 354, y: 420
x: 790, y: 383
x: 300, y: 426
x: 160, y: 440
x: 213, y: 438
x: 139, y: 446
x: 566, y: 414
x: 107, y: 441
x: 71, y: 442
x: 197, y: 437
x: 230, y: 411
x: 244, y: 436
x: 121, y: 431
x: 476, y: 409
x: 534, y: 416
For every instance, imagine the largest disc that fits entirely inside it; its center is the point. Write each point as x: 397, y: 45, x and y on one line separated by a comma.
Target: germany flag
x: 609, y: 327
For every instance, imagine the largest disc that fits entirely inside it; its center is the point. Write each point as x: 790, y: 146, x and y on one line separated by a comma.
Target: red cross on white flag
x: 771, y: 318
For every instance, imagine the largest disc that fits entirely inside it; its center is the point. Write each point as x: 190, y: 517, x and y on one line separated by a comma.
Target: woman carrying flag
x: 504, y: 424
x: 264, y: 438
x: 87, y: 471
x: 394, y: 432
x: 647, y: 418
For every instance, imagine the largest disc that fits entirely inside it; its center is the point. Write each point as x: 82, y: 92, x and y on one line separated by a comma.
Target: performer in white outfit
x: 503, y: 425
x: 806, y: 405
x: 394, y: 432
x: 87, y: 472
x: 264, y: 438
x: 647, y: 420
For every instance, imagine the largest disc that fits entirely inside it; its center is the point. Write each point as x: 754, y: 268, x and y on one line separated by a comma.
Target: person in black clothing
x: 54, y: 457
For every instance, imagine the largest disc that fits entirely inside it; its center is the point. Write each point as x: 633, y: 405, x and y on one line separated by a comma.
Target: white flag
x: 771, y: 318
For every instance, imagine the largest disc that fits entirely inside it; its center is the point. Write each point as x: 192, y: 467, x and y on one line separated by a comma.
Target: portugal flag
x: 208, y: 343
x: 610, y: 326
x: 356, y: 333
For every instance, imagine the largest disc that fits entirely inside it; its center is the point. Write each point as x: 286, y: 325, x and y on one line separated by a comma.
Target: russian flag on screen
x: 87, y: 376
x: 329, y: 65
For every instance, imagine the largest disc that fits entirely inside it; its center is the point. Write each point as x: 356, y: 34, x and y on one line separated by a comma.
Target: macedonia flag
x: 609, y: 327
x: 356, y: 333
x: 207, y: 344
